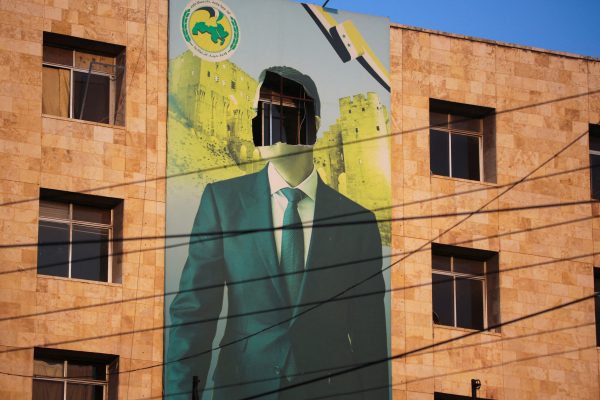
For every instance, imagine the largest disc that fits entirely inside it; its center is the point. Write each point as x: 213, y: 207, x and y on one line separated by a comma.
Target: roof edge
x: 495, y: 42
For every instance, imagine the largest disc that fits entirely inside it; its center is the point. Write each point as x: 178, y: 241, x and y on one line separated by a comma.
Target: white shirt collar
x: 308, y: 186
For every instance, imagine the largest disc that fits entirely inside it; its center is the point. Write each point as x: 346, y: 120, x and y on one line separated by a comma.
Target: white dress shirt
x: 306, y: 206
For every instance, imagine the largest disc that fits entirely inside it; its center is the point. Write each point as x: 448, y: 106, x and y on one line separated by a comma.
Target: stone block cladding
x: 544, y: 103
x: 43, y: 151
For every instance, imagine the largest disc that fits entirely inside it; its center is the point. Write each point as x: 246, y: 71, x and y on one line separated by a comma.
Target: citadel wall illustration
x: 210, y: 119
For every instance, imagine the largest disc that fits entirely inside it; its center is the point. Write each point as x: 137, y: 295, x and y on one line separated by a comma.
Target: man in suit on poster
x: 254, y: 235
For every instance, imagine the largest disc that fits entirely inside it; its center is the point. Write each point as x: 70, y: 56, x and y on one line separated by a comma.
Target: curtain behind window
x: 47, y: 390
x: 56, y: 91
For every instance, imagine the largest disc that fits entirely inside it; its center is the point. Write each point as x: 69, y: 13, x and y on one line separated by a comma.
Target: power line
x: 320, y: 148
x: 317, y: 223
x: 519, y: 360
x: 418, y: 350
x: 468, y: 216
x: 489, y: 273
x: 233, y: 233
x: 427, y: 243
x: 341, y: 265
x: 450, y: 349
x: 163, y: 364
x: 422, y: 246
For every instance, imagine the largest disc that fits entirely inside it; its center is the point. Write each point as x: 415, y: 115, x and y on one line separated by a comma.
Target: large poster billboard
x: 278, y: 202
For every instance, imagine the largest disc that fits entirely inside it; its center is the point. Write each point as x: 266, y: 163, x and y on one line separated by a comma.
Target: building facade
x: 51, y: 151
x: 493, y: 220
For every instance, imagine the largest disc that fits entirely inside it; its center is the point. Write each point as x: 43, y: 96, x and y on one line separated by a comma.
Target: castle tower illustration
x: 353, y: 155
x: 215, y: 100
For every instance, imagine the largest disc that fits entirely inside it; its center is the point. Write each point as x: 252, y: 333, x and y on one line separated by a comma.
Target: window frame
x: 115, y: 230
x: 72, y: 69
x: 66, y: 357
x: 270, y: 98
x: 596, y: 277
x: 450, y: 131
x: 449, y: 118
x: 461, y: 275
x: 65, y: 380
x: 71, y: 222
x: 593, y: 132
x: 90, y: 48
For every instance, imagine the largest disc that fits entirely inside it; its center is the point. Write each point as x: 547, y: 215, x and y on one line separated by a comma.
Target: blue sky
x: 571, y: 26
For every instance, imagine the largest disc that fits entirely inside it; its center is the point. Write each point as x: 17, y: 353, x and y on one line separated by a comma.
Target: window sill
x: 62, y: 278
x: 82, y: 121
x: 451, y: 178
x: 465, y: 330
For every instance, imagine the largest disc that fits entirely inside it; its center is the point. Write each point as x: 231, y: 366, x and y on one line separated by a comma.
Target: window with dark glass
x: 464, y: 287
x: 75, y: 236
x: 597, y: 303
x: 594, y: 137
x: 461, y: 141
x: 61, y: 374
x: 285, y: 113
x: 83, y: 79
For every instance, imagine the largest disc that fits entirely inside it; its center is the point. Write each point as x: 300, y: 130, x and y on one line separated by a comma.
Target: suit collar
x: 308, y: 185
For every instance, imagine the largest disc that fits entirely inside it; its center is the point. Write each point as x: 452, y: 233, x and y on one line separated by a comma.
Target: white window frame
x: 66, y: 380
x: 454, y: 275
x: 72, y: 69
x: 71, y: 221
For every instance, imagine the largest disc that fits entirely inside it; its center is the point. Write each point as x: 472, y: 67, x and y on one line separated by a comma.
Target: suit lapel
x: 257, y: 207
x: 320, y: 240
x: 320, y: 236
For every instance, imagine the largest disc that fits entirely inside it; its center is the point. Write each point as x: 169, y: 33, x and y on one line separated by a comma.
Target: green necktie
x: 292, y: 243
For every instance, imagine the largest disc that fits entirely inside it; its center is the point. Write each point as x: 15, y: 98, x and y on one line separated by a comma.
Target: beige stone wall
x: 121, y: 162
x: 545, y: 254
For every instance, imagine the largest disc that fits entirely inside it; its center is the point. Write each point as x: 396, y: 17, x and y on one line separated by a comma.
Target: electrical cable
x: 429, y: 242
x: 469, y: 241
x: 472, y: 213
x: 427, y: 347
x: 227, y: 234
x: 424, y: 284
x: 357, y: 141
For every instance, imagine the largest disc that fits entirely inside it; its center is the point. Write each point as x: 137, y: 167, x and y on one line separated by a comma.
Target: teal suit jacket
x: 232, y: 245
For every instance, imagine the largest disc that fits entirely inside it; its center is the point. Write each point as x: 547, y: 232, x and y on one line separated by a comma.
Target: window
x: 76, y: 235
x: 595, y: 161
x: 70, y: 375
x: 465, y: 287
x: 286, y: 113
x: 597, y: 303
x: 461, y: 141
x: 83, y: 79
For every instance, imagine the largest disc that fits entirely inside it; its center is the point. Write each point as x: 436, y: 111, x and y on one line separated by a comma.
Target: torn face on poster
x: 278, y: 202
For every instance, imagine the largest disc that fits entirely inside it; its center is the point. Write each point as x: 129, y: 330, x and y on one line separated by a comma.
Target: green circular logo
x: 210, y: 29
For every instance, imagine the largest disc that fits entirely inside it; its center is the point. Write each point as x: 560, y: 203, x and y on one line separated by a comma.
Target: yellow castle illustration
x: 210, y: 131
